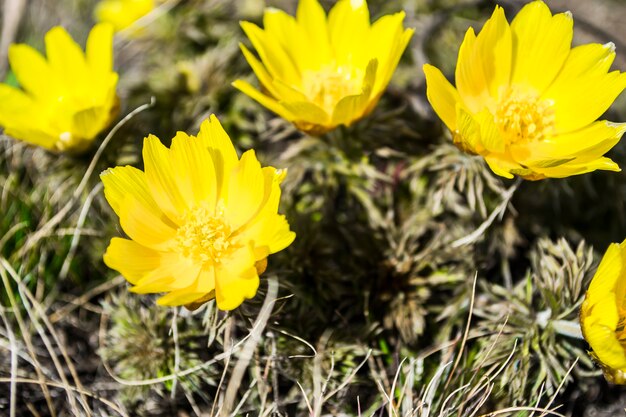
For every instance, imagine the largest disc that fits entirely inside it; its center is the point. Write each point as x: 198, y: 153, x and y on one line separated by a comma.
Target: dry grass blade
x: 108, y: 403
x: 64, y: 211
x: 14, y: 355
x: 37, y: 314
x: 77, y: 230
x: 11, y: 18
x: 106, y: 286
x: 250, y: 346
x: 25, y: 332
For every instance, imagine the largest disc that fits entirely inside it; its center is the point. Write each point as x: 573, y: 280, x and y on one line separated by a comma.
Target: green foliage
x: 401, y: 239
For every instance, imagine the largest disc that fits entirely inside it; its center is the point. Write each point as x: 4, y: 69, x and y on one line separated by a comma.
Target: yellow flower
x: 603, y: 314
x: 320, y: 72
x: 122, y: 13
x: 201, y: 221
x: 526, y: 100
x: 66, y: 99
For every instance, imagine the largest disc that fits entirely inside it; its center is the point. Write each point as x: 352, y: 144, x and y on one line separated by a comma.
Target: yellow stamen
x: 326, y: 86
x: 205, y: 237
x: 523, y: 117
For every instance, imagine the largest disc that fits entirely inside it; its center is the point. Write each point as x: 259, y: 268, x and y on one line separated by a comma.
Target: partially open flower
x: 603, y: 314
x: 122, y: 14
x: 201, y: 221
x: 320, y: 72
x: 526, y: 100
x: 66, y: 99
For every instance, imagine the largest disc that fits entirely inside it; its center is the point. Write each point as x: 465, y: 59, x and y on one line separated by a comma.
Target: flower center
x: 204, y: 237
x: 523, y: 117
x: 326, y: 86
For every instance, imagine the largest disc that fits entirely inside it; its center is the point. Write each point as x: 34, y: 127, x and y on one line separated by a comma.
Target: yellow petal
x: 312, y: 18
x: 270, y: 201
x: 490, y: 136
x: 272, y: 54
x: 143, y: 225
x: 160, y: 177
x: 286, y: 93
x: 32, y: 71
x: 99, y: 49
x: 131, y: 259
x: 352, y: 107
x: 273, y: 232
x: 586, y: 60
x: 307, y: 112
x: 223, y: 154
x: 35, y: 136
x: 348, y: 21
x: 246, y: 190
x: 123, y: 14
x: 387, y: 42
x: 153, y: 286
x: 501, y: 166
x: 268, y: 229
x: 441, y: 95
x: 203, y: 285
x: 194, y: 171
x: 541, y: 43
x: 87, y: 123
x: 284, y: 29
x: 264, y: 100
x: 121, y: 182
x: 599, y: 312
x: 179, y: 297
x: 282, y: 236
x: 66, y: 58
x: 590, y: 142
x: 470, y: 79
x: 607, y: 274
x: 484, y: 63
x: 15, y: 107
x: 237, y: 280
x: 259, y: 70
x: 581, y: 96
x: 173, y: 273
x: 599, y: 322
x: 493, y: 52
x: 577, y: 168
x: 467, y: 135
